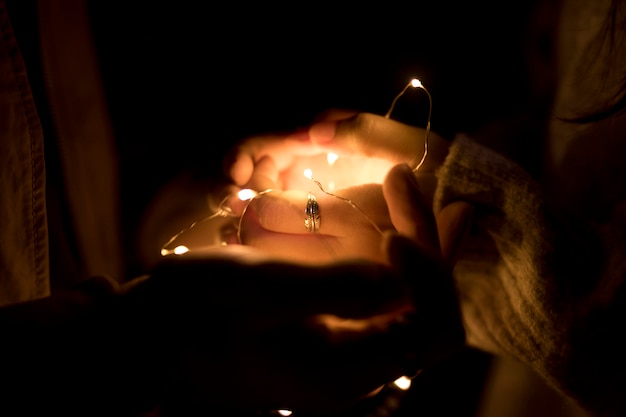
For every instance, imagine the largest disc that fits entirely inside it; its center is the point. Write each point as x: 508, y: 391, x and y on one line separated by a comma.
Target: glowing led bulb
x: 285, y: 412
x: 178, y: 250
x: 308, y: 173
x: 416, y: 84
x: 331, y: 158
x: 246, y: 194
x: 403, y: 383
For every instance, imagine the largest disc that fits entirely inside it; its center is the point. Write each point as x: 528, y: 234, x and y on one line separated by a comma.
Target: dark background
x: 188, y: 80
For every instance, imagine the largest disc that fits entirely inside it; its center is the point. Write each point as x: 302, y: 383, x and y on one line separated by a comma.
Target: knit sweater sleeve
x: 535, y: 285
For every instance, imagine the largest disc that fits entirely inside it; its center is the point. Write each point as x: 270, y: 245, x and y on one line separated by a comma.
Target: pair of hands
x: 301, y: 320
x: 355, y: 209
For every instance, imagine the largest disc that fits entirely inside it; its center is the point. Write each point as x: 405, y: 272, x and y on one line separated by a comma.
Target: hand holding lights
x: 328, y: 172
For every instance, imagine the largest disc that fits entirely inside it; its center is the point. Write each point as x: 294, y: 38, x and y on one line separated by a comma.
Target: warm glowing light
x: 308, y: 173
x: 246, y: 194
x: 331, y: 158
x: 416, y: 83
x: 403, y: 383
x: 285, y: 412
x: 179, y: 250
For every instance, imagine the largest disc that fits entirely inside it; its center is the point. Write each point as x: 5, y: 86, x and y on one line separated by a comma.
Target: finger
x: 296, y: 248
x: 263, y: 180
x: 264, y: 175
x: 437, y: 316
x: 240, y: 162
x: 453, y: 223
x: 410, y: 213
x: 377, y: 136
x: 310, y: 248
x: 238, y: 165
x: 346, y: 212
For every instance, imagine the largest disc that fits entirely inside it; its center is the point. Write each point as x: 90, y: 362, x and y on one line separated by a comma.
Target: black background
x: 188, y: 80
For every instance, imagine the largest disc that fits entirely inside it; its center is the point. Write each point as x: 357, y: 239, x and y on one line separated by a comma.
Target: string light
x: 404, y: 383
x: 222, y: 211
x: 309, y: 174
x: 249, y: 195
x: 331, y: 158
x: 416, y: 83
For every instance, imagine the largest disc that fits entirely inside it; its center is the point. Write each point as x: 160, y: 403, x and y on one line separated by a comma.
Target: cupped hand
x: 351, y: 221
x: 241, y: 162
x: 350, y: 224
x: 257, y: 332
x: 375, y: 136
x: 366, y: 145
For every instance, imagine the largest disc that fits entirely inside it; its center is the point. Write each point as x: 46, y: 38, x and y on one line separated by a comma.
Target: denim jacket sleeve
x: 23, y: 233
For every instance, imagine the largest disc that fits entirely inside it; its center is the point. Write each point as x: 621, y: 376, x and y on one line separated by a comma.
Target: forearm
x: 534, y: 284
x: 502, y: 271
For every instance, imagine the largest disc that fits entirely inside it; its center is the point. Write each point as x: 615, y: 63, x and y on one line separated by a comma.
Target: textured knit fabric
x: 542, y: 276
x: 535, y: 286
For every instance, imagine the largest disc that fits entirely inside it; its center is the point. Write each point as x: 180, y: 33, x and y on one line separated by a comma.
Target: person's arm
x: 537, y: 285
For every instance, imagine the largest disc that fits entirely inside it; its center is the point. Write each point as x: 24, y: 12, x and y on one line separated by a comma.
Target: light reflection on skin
x: 341, y: 173
x: 353, y: 229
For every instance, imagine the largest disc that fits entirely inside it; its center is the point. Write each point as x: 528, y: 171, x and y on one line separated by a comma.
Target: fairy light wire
x: 351, y: 203
x: 415, y: 83
x: 245, y: 209
x: 221, y: 211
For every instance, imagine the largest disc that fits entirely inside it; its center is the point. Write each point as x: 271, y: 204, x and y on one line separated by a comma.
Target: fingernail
x: 323, y: 132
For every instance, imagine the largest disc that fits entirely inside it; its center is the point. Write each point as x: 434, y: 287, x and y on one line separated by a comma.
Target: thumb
x: 409, y: 210
x: 453, y: 225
